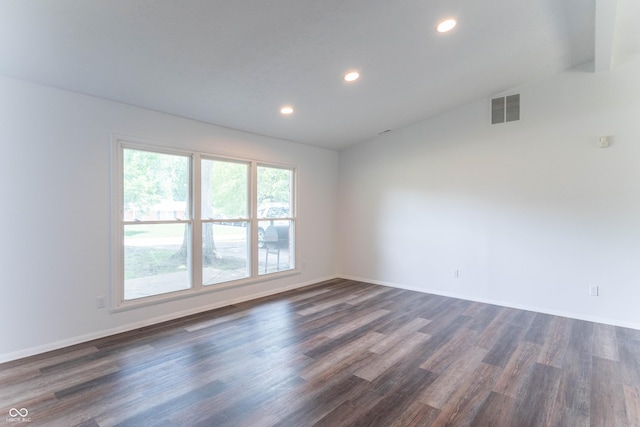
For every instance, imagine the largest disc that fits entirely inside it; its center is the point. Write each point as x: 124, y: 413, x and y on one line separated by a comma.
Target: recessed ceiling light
x: 286, y: 110
x: 446, y: 25
x: 351, y: 76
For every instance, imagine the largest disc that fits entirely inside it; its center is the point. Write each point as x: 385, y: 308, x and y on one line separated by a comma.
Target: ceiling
x: 235, y: 63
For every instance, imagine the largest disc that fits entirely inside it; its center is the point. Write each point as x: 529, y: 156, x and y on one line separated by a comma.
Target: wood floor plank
x: 57, y: 382
x: 555, y: 344
x: 381, y: 362
x: 165, y: 412
x: 497, y: 410
x: 482, y: 315
x: 454, y: 377
x: 339, y: 353
x: 406, y: 379
x: 632, y: 405
x: 400, y: 334
x: 537, y: 404
x: 538, y: 329
x: 522, y: 318
x: 14, y: 372
x: 324, y: 305
x: 444, y: 355
x: 416, y: 414
x: 444, y: 314
x: 401, y: 317
x: 574, y: 393
x: 375, y: 296
x: 514, y: 377
x: 627, y: 334
x: 330, y: 397
x: 383, y: 413
x: 442, y: 337
x: 503, y: 347
x: 628, y: 351
x: 397, y: 389
x: 605, y: 344
x: 463, y: 406
x: 491, y: 333
x: 347, y: 414
x: 607, y: 400
x: 355, y: 323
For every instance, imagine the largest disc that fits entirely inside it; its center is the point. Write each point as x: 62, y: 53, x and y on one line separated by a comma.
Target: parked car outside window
x: 277, y: 211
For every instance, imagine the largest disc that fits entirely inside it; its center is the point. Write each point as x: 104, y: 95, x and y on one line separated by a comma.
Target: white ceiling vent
x: 505, y: 109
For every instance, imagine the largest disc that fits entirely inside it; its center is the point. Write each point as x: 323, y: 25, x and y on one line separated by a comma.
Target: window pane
x: 225, y: 252
x: 224, y: 189
x: 155, y: 259
x: 274, y: 192
x: 275, y: 253
x: 275, y: 235
x: 156, y: 186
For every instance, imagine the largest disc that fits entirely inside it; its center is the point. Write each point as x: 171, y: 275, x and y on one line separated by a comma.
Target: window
x: 275, y: 223
x: 225, y: 221
x: 156, y: 223
x: 191, y: 222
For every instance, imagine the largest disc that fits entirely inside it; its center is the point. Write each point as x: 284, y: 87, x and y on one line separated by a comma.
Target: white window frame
x: 291, y: 217
x: 117, y: 301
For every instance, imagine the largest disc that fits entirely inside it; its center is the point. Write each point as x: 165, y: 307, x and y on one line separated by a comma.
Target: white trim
x: 571, y: 315
x: 116, y: 291
x: 56, y: 345
x: 205, y: 289
x: 195, y: 187
x: 605, y: 30
x: 253, y: 214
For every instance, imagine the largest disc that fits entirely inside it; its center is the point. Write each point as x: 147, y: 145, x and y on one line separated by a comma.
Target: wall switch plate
x: 593, y: 290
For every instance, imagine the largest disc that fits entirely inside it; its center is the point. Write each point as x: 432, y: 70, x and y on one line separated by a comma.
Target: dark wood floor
x: 338, y: 354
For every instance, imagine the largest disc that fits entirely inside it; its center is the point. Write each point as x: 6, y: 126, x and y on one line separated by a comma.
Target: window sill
x: 194, y: 292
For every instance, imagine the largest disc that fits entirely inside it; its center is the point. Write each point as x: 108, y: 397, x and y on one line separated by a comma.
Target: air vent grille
x: 505, y: 109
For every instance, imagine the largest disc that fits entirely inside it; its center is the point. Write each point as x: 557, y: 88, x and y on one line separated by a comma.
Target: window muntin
x: 190, y: 221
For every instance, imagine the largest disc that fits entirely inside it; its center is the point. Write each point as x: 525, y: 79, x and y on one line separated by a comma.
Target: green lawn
x: 143, y: 259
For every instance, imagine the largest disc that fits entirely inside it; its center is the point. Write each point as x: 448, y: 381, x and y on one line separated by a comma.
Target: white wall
x: 55, y: 204
x: 531, y: 213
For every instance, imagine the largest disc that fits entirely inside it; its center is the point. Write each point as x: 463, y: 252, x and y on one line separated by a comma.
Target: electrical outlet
x: 100, y: 301
x: 593, y: 290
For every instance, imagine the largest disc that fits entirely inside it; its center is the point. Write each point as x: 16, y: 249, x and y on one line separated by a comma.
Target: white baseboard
x: 32, y: 351
x: 571, y: 315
